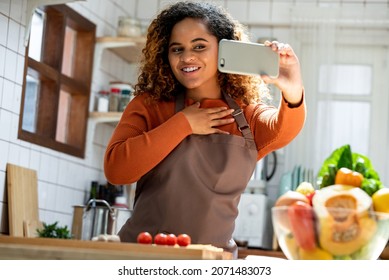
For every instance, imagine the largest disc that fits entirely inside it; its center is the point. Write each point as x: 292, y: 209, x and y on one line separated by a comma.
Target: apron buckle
x: 243, y: 128
x: 237, y: 112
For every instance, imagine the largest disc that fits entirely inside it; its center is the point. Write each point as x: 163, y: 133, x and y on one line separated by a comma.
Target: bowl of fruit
x: 341, y: 220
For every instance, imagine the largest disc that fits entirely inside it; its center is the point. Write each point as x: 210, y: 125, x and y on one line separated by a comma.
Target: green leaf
x: 343, y: 157
x: 370, y: 173
x: 53, y: 231
x: 346, y: 158
x: 332, y: 159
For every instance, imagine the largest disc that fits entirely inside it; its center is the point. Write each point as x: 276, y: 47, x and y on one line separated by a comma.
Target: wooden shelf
x: 128, y: 48
x: 105, y: 117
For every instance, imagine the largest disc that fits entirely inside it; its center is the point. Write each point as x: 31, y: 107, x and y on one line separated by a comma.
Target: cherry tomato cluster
x: 171, y: 239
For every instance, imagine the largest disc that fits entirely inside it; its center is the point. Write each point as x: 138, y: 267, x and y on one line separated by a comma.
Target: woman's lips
x: 190, y: 69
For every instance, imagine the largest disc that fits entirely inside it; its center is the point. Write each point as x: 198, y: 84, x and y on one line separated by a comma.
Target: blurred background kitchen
x: 344, y: 54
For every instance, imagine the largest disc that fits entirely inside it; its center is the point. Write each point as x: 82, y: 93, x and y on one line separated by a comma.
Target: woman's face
x: 193, y: 55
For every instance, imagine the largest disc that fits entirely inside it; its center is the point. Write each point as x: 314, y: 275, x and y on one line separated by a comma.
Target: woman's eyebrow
x: 199, y: 39
x: 193, y: 41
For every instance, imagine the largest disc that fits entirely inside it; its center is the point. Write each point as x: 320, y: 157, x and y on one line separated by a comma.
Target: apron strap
x: 180, y: 102
x: 238, y: 115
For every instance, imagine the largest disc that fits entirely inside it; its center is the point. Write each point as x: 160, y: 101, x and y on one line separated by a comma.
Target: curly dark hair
x: 156, y: 77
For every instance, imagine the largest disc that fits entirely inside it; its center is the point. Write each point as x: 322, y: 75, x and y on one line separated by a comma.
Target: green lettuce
x: 344, y: 157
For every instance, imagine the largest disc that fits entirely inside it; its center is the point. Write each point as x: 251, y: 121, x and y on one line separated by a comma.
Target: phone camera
x: 222, y: 62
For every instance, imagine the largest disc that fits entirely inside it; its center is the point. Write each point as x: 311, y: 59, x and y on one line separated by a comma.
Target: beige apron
x: 196, y: 188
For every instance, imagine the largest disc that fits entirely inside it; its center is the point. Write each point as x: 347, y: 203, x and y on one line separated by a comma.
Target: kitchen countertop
x: 244, y: 252
x: 21, y: 248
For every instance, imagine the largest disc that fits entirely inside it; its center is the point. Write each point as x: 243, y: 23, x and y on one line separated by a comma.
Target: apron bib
x: 196, y: 188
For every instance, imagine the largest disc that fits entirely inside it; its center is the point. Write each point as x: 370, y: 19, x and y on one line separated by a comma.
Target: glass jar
x: 114, y: 99
x: 125, y: 98
x: 129, y: 27
x: 102, y: 101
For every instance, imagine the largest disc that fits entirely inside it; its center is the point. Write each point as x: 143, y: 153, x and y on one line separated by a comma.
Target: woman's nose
x: 187, y: 56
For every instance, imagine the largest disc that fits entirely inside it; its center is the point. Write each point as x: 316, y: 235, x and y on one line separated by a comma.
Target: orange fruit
x: 381, y: 200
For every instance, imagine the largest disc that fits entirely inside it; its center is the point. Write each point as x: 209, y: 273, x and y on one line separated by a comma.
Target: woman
x: 192, y: 135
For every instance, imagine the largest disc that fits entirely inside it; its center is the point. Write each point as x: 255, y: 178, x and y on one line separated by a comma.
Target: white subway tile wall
x: 63, y: 180
x: 4, y: 7
x: 258, y: 11
x: 2, y: 59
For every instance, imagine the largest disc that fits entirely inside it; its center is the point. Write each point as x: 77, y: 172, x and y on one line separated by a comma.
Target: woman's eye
x: 176, y: 50
x: 200, y: 47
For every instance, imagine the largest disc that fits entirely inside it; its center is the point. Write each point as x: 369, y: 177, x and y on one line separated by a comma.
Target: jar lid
x: 103, y: 92
x: 115, y: 90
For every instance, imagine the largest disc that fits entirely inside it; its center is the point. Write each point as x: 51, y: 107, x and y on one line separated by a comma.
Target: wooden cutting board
x: 13, y: 248
x: 22, y: 198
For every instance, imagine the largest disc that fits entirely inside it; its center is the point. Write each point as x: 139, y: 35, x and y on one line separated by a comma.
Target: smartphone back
x: 247, y: 58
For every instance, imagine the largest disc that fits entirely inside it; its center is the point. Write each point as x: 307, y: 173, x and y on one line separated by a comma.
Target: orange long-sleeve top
x: 148, y: 132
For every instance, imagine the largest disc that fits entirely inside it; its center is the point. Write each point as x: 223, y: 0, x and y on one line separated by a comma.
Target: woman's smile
x: 190, y: 69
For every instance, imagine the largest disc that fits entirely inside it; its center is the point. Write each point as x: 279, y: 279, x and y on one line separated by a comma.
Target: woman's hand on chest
x: 207, y: 120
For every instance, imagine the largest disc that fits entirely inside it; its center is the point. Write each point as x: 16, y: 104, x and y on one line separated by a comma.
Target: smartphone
x: 247, y: 58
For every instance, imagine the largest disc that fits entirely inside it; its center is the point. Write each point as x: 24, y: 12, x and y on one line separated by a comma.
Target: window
x: 349, y: 87
x: 57, y: 80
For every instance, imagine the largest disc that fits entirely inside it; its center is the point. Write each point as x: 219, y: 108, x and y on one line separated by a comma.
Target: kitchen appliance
x: 253, y: 225
x: 97, y: 217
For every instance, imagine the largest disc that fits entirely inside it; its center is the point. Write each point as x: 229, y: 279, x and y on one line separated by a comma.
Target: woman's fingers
x: 289, y: 80
x: 219, y: 122
x: 219, y: 116
x: 281, y: 48
x: 206, y: 120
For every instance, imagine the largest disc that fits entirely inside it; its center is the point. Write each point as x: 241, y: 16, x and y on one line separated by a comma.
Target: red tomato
x: 144, y: 238
x: 160, y: 239
x: 183, y: 240
x: 171, y: 239
x: 301, y: 220
x: 310, y: 196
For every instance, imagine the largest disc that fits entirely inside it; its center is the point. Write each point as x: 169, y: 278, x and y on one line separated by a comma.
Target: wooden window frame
x: 52, y: 82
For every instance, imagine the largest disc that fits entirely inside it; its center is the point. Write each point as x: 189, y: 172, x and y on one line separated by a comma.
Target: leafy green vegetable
x: 361, y: 167
x: 325, y: 181
x: 370, y: 173
x: 344, y: 157
x: 53, y: 231
x: 329, y: 177
x: 335, y: 157
x: 370, y: 186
